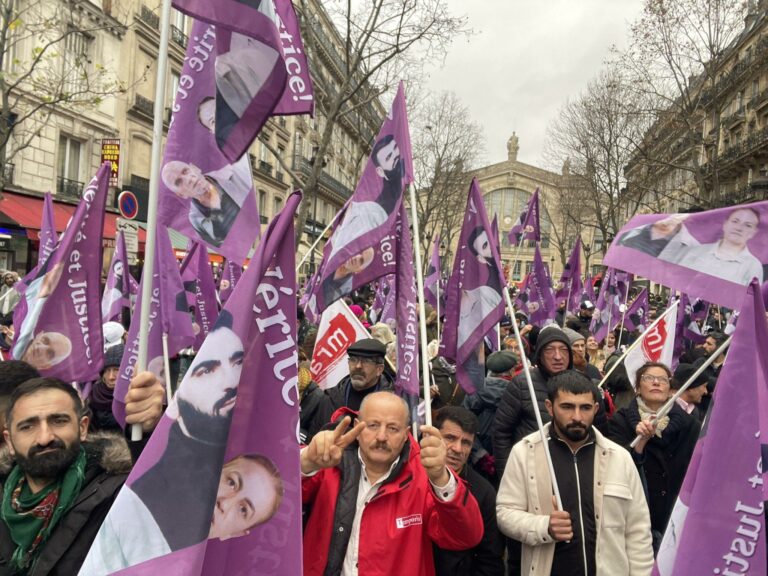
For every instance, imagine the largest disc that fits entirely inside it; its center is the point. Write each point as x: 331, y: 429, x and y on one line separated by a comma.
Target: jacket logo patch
x: 405, y: 521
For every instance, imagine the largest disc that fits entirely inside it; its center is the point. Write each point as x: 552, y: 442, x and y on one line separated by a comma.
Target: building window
x: 75, y: 62
x: 298, y: 145
x: 277, y: 205
x: 69, y: 158
x: 516, y: 271
x: 262, y: 202
x: 173, y: 88
x: 528, y: 267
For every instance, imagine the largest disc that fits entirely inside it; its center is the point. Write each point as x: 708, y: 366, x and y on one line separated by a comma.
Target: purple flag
x: 636, y: 317
x: 298, y: 97
x: 121, y: 289
x: 711, y: 255
x: 229, y: 279
x: 607, y: 312
x: 717, y: 525
x: 432, y: 276
x: 527, y: 226
x: 587, y: 291
x: 169, y: 314
x: 357, y: 251
x: 384, y: 303
x: 197, y: 278
x: 569, y: 288
x: 687, y: 328
x: 217, y: 489
x: 405, y: 311
x: 58, y: 326
x: 48, y: 236
x: 474, y: 301
x: 203, y: 194
x: 250, y: 74
x: 536, y: 299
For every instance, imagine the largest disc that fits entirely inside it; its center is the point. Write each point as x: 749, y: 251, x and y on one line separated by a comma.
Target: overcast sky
x: 525, y: 59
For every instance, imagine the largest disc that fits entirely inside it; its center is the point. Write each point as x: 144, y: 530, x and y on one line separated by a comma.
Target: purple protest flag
x: 607, y: 312
x: 687, y: 328
x: 384, y: 302
x: 48, y: 236
x: 569, y: 288
x: 217, y: 489
x: 406, y: 305
x: 636, y: 316
x: 169, y: 314
x: 197, y: 278
x: 536, y: 299
x: 527, y: 226
x: 298, y: 96
x: 57, y: 320
x: 121, y: 289
x: 250, y: 74
x: 229, y: 279
x: 203, y: 194
x: 718, y: 525
x: 432, y: 275
x: 711, y: 255
x: 357, y: 243
x: 474, y: 302
x: 587, y: 291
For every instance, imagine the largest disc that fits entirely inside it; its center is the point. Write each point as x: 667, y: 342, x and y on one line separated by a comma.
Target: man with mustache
x: 604, y: 505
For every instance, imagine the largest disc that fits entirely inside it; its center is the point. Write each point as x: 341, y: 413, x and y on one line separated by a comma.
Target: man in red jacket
x: 379, y: 500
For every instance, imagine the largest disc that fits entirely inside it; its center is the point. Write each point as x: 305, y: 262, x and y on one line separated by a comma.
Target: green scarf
x: 32, y: 517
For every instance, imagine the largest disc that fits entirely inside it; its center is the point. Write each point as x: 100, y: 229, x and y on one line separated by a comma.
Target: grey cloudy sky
x: 525, y: 59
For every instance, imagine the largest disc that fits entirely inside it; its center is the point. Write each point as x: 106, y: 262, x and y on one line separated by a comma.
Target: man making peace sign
x: 378, y: 500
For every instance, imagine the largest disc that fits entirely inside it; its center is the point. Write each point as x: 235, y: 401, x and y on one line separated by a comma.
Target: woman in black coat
x: 666, y: 447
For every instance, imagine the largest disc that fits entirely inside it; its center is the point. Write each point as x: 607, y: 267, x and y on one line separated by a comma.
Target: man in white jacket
x: 604, y: 528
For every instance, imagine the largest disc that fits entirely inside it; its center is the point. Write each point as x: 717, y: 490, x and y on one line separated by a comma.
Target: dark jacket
x: 485, y: 559
x: 338, y: 397
x: 107, y: 467
x: 664, y: 460
x: 484, y: 403
x: 444, y: 376
x: 313, y: 403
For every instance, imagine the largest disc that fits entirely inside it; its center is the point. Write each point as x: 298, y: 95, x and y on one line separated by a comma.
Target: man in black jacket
x: 458, y: 427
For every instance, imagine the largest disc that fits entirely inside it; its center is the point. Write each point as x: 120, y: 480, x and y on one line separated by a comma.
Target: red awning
x: 27, y: 212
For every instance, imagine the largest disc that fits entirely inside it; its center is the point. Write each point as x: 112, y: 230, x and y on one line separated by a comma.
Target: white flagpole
x: 534, y: 402
x: 439, y: 277
x: 420, y: 296
x: 167, y: 368
x: 624, y: 313
x: 317, y: 240
x: 154, y: 186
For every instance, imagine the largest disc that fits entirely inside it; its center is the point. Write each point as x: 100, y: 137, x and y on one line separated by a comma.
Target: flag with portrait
x: 527, y: 225
x: 535, y: 298
x: 121, y: 289
x: 569, y: 287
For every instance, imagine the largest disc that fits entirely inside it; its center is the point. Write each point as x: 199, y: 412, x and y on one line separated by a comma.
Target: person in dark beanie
x: 690, y: 399
x: 102, y: 391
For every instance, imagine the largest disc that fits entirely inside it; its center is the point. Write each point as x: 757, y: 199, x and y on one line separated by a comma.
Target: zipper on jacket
x: 581, y: 514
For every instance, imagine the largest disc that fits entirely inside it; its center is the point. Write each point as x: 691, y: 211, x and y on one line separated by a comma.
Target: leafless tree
x: 45, y: 66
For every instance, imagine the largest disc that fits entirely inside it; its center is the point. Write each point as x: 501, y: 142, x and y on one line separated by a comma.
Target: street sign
x: 130, y: 232
x: 128, y: 204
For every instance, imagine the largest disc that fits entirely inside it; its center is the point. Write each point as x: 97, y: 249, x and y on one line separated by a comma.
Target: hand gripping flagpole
x: 154, y: 187
x: 634, y: 345
x: 420, y: 296
x: 664, y: 410
x: 534, y: 402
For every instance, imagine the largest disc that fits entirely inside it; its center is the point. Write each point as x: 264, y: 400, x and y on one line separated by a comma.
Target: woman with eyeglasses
x: 667, y: 443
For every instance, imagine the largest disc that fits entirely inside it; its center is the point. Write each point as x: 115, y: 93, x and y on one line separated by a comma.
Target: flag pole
x: 317, y: 241
x: 664, y: 410
x: 420, y: 296
x: 154, y: 187
x: 624, y: 312
x: 437, y: 284
x: 167, y: 368
x: 634, y: 345
x: 532, y: 392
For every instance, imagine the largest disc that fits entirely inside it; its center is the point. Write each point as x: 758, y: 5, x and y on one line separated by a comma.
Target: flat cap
x: 500, y: 362
x: 367, y: 348
x: 587, y: 305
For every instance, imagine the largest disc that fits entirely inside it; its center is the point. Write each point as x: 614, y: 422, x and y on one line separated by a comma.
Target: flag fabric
x: 217, y: 488
x: 230, y: 275
x: 636, y: 317
x: 613, y: 293
x: 384, y: 302
x: 250, y: 73
x: 587, y: 291
x: 569, y: 287
x: 535, y: 298
x: 406, y: 315
x: 298, y: 96
x: 168, y: 314
x: 203, y: 194
x: 432, y: 276
x: 48, y: 236
x: 726, y: 534
x: 656, y: 344
x: 357, y: 251
x: 527, y: 226
x: 197, y: 278
x: 57, y: 320
x: 711, y: 255
x: 121, y: 289
x: 687, y: 330
x: 339, y: 328
x: 474, y: 302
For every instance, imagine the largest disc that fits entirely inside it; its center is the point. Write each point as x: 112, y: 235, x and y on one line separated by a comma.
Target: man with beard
x: 56, y: 495
x: 604, y: 506
x: 164, y: 508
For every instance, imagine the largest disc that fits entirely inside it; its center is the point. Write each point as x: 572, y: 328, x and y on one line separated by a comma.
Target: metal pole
x: 154, y: 186
x: 624, y: 313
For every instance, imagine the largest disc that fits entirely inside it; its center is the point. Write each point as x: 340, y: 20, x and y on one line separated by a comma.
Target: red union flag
x: 338, y: 330
x: 657, y: 344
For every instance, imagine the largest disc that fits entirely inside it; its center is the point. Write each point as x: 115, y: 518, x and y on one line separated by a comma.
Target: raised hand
x: 144, y: 401
x: 560, y: 527
x: 327, y: 447
x: 433, y: 455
